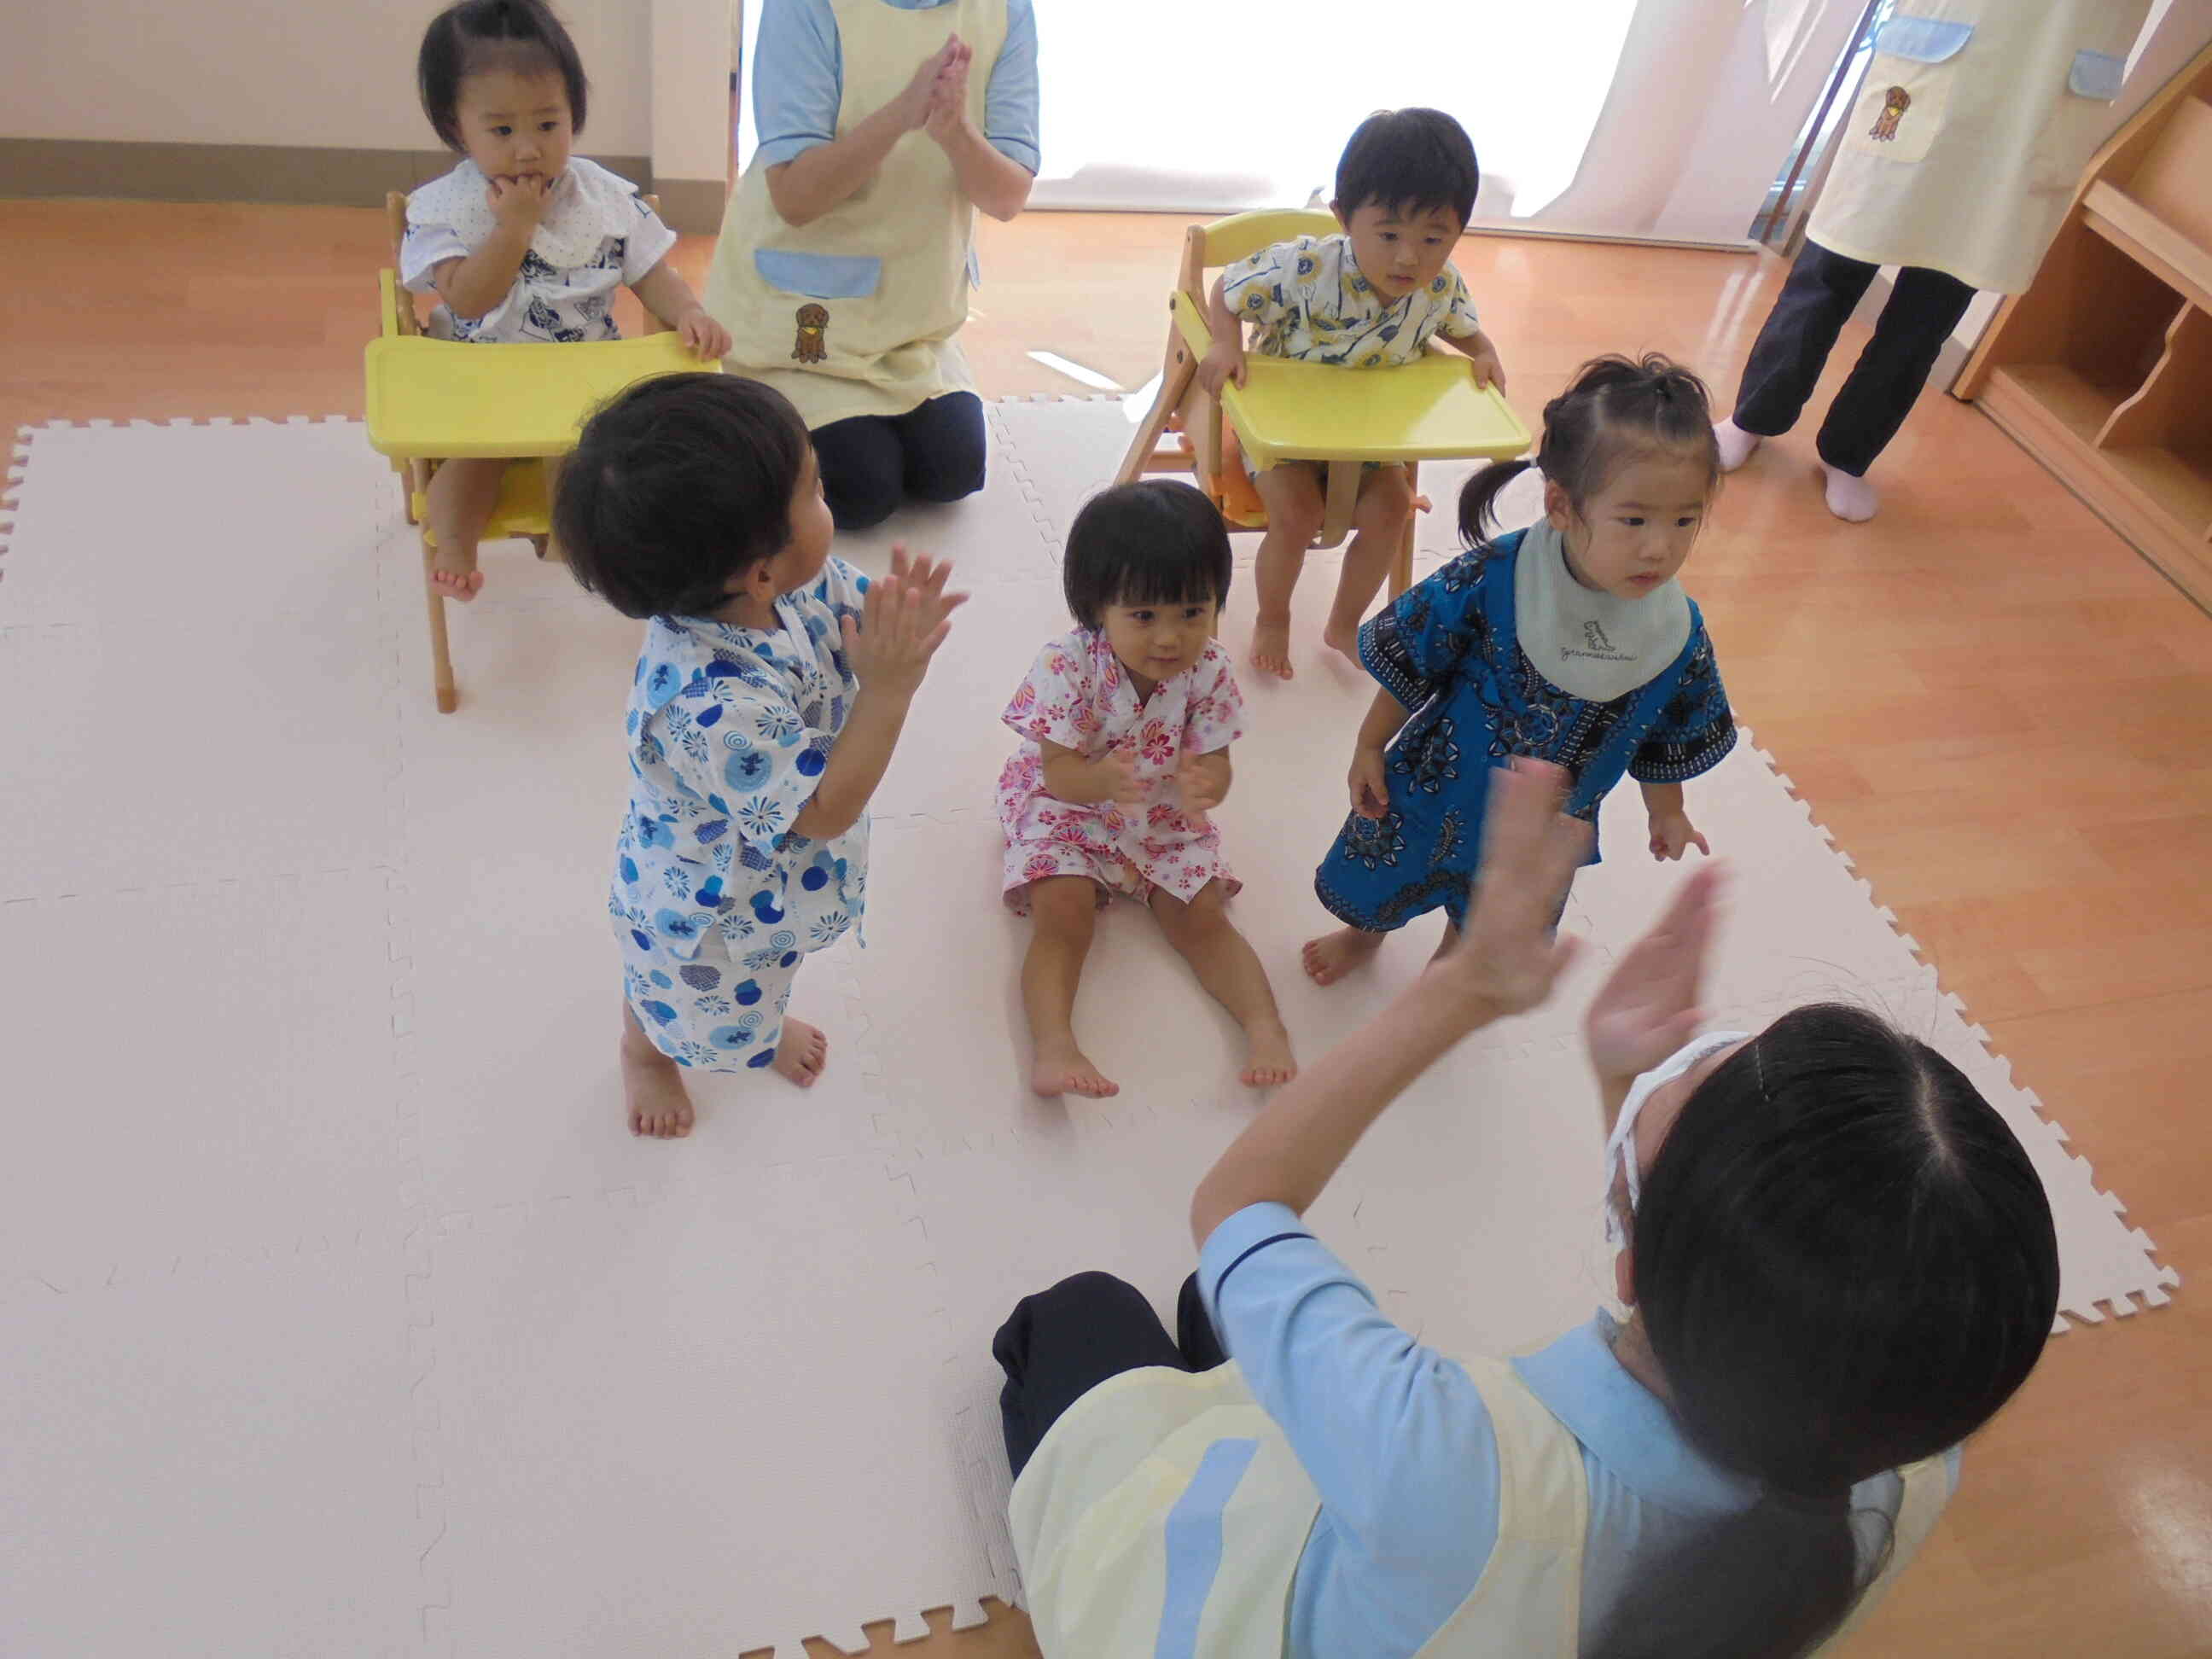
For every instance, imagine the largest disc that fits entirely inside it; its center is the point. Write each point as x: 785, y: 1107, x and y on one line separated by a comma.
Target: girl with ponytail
x: 1569, y: 642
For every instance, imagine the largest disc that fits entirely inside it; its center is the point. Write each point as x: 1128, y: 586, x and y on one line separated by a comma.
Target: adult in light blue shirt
x: 847, y: 251
x: 798, y: 80
x: 1840, y: 1263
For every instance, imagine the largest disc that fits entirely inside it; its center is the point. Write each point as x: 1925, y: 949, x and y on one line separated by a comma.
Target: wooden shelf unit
x: 2103, y: 368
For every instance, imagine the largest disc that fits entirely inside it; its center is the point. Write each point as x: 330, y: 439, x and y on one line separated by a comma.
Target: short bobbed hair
x: 1156, y: 541
x: 476, y: 36
x: 676, y: 486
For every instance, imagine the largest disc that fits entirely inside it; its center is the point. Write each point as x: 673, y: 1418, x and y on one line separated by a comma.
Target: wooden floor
x: 2004, y: 715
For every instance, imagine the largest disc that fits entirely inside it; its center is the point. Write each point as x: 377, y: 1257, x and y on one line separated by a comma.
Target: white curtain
x: 1666, y: 119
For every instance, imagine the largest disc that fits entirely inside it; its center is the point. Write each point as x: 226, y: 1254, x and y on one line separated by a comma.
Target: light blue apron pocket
x: 819, y: 275
x: 1922, y: 39
x: 2096, y: 75
x: 1193, y: 1542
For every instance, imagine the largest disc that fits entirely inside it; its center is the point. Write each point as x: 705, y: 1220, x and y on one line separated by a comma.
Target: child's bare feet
x: 1061, y: 1069
x: 1345, y: 641
x: 1270, y: 648
x: 1267, y: 1058
x: 455, y: 575
x: 801, y: 1052
x: 1330, y: 957
x: 653, y: 1092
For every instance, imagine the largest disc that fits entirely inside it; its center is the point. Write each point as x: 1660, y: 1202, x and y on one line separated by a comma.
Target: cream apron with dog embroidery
x: 855, y: 312
x: 1970, y: 132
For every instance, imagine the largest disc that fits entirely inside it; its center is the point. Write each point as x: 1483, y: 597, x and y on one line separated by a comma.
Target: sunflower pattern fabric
x: 1309, y: 302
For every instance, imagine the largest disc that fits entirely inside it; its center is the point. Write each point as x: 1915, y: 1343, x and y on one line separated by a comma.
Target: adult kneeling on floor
x: 847, y: 251
x: 1838, y: 1264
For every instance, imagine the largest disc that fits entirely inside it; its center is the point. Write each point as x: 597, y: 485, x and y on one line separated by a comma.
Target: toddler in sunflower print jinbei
x: 522, y: 242
x: 1370, y: 297
x: 772, y: 686
x: 1569, y: 642
x: 1126, y: 724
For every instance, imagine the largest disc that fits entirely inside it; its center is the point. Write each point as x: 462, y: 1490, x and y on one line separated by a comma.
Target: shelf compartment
x: 2160, y: 440
x: 2091, y: 330
x: 2171, y: 179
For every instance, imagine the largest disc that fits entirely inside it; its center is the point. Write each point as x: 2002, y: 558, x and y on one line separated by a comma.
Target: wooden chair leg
x: 1401, y: 567
x: 441, y: 656
x: 1174, y: 379
x: 1341, y: 495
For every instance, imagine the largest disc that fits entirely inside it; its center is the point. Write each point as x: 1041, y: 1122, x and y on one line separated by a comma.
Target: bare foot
x: 1330, y: 957
x: 1270, y: 648
x: 457, y: 580
x: 801, y: 1052
x: 652, y: 1092
x: 1062, y: 1069
x: 1345, y: 641
x: 1267, y: 1058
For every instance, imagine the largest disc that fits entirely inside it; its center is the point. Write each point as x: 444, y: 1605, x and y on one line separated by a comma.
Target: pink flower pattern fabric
x: 1079, y: 697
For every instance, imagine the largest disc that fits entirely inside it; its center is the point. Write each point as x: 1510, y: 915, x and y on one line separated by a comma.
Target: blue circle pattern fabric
x: 729, y: 731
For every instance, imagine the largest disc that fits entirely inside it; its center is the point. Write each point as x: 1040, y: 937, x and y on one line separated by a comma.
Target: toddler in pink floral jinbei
x: 1126, y: 724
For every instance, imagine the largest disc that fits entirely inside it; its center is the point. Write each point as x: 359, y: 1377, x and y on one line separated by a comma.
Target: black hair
x: 676, y: 486
x: 472, y: 36
x: 1156, y: 541
x: 1409, y: 160
x: 1616, y: 408
x: 1844, y: 1262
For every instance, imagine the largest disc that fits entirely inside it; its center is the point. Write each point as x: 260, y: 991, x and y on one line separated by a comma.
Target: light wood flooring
x: 2004, y: 715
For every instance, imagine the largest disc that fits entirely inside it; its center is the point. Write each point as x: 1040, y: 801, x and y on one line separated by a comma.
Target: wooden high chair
x: 1427, y: 410
x: 431, y: 401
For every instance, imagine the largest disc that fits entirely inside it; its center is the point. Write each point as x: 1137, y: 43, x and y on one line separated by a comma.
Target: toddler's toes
x: 801, y: 1053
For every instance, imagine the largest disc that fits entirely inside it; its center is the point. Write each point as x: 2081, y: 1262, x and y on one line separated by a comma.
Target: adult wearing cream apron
x: 1824, y: 1225
x: 846, y: 255
x: 1957, y: 163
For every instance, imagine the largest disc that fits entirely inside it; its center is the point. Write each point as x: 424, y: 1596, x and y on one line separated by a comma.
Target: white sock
x: 1736, y: 443
x: 1850, y: 498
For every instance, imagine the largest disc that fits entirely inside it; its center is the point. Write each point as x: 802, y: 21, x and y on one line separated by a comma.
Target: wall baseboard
x: 294, y: 174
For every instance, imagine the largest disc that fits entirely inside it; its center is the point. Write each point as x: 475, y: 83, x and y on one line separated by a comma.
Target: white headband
x: 1620, y: 1149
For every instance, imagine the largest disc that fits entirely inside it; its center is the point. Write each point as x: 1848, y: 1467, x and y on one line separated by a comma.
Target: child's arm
x: 1081, y: 782
x: 669, y: 297
x: 1483, y: 355
x: 476, y: 285
x: 1672, y: 832
x: 1503, y: 963
x: 1370, y: 792
x: 818, y: 177
x: 907, y: 616
x: 1225, y: 362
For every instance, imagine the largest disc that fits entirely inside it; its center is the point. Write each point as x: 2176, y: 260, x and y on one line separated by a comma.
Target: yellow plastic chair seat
x: 440, y: 399
x: 1428, y: 409
x: 523, y: 509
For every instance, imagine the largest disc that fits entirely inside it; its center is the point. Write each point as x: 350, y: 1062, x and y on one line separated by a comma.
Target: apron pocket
x: 819, y: 275
x: 2096, y: 75
x: 2077, y: 124
x: 1900, y: 109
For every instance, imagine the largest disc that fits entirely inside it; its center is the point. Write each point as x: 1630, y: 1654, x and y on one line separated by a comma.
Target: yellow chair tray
x: 441, y: 399
x: 1428, y: 410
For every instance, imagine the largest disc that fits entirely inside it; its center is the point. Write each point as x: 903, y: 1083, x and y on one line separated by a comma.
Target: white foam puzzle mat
x: 344, y: 1316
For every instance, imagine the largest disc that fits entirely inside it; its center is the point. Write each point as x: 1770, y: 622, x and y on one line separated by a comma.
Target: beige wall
x: 336, y: 74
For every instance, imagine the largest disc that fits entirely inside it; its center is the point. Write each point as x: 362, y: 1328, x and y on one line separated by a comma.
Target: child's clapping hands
x: 1204, y: 782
